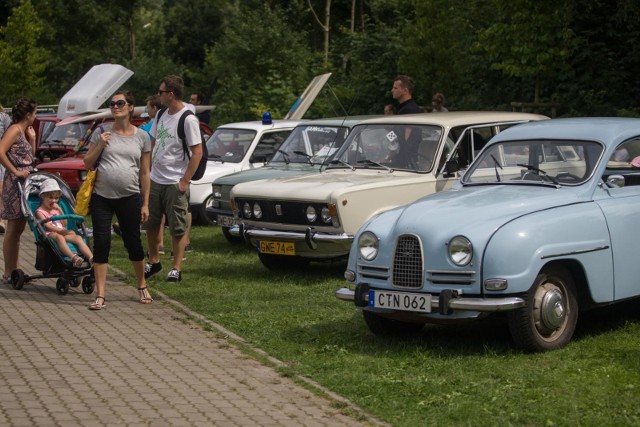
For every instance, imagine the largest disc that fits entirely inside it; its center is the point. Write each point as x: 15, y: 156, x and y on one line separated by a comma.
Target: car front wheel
x: 282, y: 263
x: 549, y: 317
x: 203, y: 217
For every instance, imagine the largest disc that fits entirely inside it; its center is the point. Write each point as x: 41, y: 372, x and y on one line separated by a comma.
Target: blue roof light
x: 266, y: 118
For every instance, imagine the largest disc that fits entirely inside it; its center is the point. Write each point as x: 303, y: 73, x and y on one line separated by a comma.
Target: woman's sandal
x: 97, y: 305
x: 145, y: 296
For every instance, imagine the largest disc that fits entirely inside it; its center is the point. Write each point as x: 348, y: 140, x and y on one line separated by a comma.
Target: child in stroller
x: 49, y: 195
x: 52, y: 259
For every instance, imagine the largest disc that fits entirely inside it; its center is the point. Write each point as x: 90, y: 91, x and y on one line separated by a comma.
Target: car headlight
x: 217, y: 191
x: 312, y: 215
x: 460, y: 250
x: 325, y: 215
x: 257, y: 211
x: 368, y: 245
x: 246, y: 210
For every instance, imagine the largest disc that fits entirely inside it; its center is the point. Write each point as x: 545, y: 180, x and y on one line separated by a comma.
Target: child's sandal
x: 77, y: 261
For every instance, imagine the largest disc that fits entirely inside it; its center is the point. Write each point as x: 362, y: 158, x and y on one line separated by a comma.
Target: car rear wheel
x: 385, y: 327
x: 549, y: 317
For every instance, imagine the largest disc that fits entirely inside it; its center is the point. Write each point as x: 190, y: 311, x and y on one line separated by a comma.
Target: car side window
x: 625, y: 161
x: 268, y: 145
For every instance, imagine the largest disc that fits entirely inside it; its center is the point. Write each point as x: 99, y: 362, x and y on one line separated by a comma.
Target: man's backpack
x: 202, y: 166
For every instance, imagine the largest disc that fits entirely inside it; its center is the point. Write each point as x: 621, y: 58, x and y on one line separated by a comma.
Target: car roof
x: 608, y: 130
x: 258, y: 125
x: 347, y: 121
x: 457, y: 118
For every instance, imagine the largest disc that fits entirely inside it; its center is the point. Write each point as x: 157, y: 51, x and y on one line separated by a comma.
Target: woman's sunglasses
x: 120, y: 103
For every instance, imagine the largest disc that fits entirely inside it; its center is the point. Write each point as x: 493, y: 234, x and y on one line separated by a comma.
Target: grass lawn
x: 468, y: 374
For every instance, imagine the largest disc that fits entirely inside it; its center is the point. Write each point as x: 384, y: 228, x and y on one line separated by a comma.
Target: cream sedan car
x: 384, y: 163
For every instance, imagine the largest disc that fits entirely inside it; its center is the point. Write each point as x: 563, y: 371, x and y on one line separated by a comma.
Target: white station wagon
x: 384, y: 163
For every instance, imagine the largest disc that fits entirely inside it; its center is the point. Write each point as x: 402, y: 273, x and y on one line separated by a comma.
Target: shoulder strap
x: 182, y: 135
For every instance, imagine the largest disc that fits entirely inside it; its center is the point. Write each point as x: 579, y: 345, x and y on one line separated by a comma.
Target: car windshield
x: 67, y: 134
x: 311, y: 144
x: 552, y: 162
x: 230, y: 145
x: 408, y: 147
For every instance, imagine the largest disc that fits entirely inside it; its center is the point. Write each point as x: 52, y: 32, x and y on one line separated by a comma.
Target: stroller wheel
x: 75, y: 282
x: 17, y: 279
x: 88, y: 285
x: 62, y: 286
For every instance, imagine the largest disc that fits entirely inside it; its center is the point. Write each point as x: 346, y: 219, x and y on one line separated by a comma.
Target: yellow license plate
x: 276, y: 248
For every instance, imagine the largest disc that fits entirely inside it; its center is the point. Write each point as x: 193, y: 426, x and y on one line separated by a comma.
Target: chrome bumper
x: 310, y: 235
x: 455, y: 303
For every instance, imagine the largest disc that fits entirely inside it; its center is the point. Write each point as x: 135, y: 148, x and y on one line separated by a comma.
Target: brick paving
x: 136, y: 365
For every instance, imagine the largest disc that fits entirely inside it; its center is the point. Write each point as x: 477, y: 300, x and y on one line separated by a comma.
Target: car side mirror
x: 450, y: 168
x: 615, y: 181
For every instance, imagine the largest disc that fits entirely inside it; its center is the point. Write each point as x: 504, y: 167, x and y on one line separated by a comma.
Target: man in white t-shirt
x: 171, y: 172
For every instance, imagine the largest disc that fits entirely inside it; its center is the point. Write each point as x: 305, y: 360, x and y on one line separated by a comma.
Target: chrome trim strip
x: 583, y: 251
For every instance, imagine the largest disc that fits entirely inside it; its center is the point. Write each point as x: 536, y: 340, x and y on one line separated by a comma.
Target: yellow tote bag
x: 84, y: 194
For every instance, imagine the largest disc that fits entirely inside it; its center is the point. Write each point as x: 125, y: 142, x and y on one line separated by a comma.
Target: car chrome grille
x: 284, y: 212
x: 408, y: 263
x: 373, y: 272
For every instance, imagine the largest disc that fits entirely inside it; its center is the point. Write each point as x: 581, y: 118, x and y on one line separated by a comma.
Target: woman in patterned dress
x: 17, y: 148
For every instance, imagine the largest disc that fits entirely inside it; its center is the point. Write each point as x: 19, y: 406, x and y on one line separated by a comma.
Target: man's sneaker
x: 151, y: 269
x: 188, y: 248
x: 174, y: 275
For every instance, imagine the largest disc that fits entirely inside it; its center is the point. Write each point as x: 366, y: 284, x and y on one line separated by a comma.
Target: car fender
x: 518, y: 250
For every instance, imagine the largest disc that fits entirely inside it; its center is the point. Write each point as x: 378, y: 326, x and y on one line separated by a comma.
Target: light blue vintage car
x: 544, y: 223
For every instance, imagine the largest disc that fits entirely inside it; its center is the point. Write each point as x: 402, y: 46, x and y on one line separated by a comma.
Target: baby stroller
x: 49, y: 260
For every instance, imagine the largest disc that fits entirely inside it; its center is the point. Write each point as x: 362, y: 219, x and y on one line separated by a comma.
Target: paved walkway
x: 135, y: 365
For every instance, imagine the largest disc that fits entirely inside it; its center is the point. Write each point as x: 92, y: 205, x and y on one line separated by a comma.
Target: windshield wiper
x: 342, y: 162
x: 302, y: 153
x: 541, y: 173
x: 285, y: 155
x: 371, y: 162
x: 496, y: 165
x: 215, y: 157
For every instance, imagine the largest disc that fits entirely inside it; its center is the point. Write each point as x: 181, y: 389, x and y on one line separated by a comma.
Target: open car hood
x: 305, y: 100
x: 93, y: 89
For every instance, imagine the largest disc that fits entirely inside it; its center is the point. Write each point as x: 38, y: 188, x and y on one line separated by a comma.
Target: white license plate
x: 226, y: 221
x: 402, y: 301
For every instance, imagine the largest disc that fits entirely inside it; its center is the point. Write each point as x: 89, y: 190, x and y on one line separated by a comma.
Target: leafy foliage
x: 23, y: 61
x: 248, y: 56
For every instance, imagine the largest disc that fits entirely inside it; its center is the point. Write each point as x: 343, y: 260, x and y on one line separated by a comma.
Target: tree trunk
x: 327, y: 18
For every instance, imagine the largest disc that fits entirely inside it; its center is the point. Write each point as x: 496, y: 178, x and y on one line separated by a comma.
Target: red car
x: 69, y: 164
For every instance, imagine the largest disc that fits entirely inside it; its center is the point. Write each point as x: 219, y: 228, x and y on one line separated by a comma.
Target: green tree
x: 529, y: 39
x: 22, y: 61
x: 259, y: 64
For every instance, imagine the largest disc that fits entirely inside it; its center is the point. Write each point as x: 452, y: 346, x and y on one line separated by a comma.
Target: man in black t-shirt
x: 402, y: 91
x: 410, y: 139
